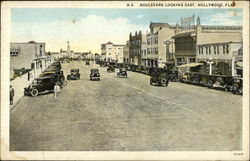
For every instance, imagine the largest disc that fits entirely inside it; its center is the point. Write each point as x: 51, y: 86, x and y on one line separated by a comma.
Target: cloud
x: 84, y: 34
x: 139, y: 16
x: 231, y: 18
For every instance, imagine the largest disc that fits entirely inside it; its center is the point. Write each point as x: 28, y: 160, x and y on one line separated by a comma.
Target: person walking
x: 57, y: 89
x: 12, y: 93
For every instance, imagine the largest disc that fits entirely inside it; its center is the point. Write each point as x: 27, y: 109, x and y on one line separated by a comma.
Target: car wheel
x: 235, y: 88
x: 65, y: 82
x: 210, y: 84
x: 163, y: 80
x: 151, y: 82
x: 34, y: 92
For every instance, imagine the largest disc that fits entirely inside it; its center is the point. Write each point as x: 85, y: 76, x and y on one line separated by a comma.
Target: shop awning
x: 190, y: 65
x: 240, y: 64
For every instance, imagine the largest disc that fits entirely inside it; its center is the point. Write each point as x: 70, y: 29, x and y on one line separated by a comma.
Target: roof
x: 185, y: 34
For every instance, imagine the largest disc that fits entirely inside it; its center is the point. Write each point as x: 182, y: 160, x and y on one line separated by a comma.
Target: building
x: 66, y: 54
x: 126, y: 53
x: 76, y: 55
x: 28, y: 55
x: 224, y: 57
x: 190, y: 37
x: 135, y: 46
x: 112, y: 52
x: 54, y: 55
x: 156, y: 55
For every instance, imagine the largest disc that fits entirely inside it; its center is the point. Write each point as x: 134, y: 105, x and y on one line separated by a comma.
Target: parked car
x: 139, y: 69
x: 110, y: 69
x: 122, y: 73
x: 74, y: 74
x: 159, y: 78
x: 94, y: 74
x: 237, y: 83
x: 222, y: 82
x: 173, y: 75
x: 40, y: 85
x: 57, y: 75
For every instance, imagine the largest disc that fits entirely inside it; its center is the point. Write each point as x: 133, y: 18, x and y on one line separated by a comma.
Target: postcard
x: 125, y: 80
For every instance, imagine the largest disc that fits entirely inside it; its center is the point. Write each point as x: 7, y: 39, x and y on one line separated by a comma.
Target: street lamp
x: 168, y: 42
x: 210, y: 65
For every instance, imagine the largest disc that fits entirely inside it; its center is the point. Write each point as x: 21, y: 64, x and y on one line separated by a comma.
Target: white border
x: 111, y: 155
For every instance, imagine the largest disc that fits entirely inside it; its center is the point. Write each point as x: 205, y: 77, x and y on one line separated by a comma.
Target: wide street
x: 126, y: 114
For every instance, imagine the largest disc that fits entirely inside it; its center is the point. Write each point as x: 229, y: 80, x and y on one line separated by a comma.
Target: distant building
x: 126, y: 53
x: 68, y: 53
x: 55, y: 55
x: 76, y: 55
x: 112, y: 52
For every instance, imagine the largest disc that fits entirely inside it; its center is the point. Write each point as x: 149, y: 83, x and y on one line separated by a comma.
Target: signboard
x: 188, y: 23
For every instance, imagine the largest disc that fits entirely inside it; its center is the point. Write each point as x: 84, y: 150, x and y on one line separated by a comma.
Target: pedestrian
x: 28, y: 76
x: 12, y: 93
x: 57, y: 89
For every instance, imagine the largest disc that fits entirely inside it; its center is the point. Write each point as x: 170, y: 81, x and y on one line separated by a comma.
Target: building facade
x: 187, y: 41
x: 29, y: 55
x: 126, y: 53
x: 156, y: 53
x: 135, y: 46
x: 112, y: 52
x: 23, y: 54
x: 224, y: 57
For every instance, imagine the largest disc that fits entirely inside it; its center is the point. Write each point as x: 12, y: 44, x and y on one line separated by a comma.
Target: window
x: 209, y: 50
x: 218, y: 49
x: 156, y: 50
x: 227, y: 49
x: 14, y: 52
x: 156, y: 40
x: 215, y: 49
x: 224, y: 49
x: 148, y: 41
x: 148, y: 49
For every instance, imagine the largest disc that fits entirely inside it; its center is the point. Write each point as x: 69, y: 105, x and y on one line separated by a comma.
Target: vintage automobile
x: 58, y: 76
x: 122, y: 73
x: 94, y: 74
x: 139, y: 69
x: 237, y: 85
x: 159, y: 77
x: 220, y: 82
x: 39, y: 85
x: 110, y: 69
x: 173, y: 75
x: 74, y: 74
x: 133, y: 67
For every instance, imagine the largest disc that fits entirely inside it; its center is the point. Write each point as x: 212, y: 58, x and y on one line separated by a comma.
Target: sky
x: 86, y: 29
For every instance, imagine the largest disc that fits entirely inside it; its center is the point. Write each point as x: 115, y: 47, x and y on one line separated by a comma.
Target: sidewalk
x: 19, y: 84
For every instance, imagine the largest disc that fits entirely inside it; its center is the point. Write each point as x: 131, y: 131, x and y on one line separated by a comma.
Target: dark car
x: 74, y: 74
x: 110, y: 69
x: 159, y: 77
x: 222, y: 82
x: 94, y: 74
x: 57, y: 75
x: 173, y: 75
x: 40, y: 85
x: 122, y: 73
x: 237, y: 85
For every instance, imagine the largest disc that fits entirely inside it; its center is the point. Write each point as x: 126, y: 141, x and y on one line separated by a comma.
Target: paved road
x: 127, y: 115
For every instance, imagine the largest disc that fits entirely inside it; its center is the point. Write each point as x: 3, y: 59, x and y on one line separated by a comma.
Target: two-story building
x: 29, y: 55
x: 112, y: 52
